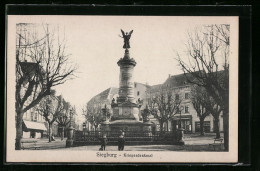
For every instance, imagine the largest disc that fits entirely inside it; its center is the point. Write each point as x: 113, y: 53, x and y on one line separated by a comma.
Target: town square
x: 123, y: 83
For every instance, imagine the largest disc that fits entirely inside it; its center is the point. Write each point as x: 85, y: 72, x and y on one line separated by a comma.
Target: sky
x: 95, y: 47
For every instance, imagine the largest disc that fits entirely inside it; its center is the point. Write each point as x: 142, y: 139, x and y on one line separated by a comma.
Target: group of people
x: 121, y: 142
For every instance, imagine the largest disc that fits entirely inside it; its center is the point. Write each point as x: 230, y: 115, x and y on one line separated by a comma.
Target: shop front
x: 33, y: 129
x: 183, y: 121
x: 206, y: 126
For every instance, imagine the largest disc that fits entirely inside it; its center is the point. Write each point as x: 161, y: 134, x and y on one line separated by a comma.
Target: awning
x: 35, y: 125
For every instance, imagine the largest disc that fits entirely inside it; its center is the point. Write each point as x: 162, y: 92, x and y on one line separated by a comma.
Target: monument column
x: 126, y: 83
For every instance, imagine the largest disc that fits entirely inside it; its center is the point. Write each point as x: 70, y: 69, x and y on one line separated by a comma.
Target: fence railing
x: 93, y: 137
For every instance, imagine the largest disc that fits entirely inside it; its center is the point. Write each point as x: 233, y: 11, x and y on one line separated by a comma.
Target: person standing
x: 121, y: 142
x: 103, y: 143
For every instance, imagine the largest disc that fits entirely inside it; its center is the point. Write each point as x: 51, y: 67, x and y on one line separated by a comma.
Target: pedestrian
x: 103, y: 143
x: 121, y: 142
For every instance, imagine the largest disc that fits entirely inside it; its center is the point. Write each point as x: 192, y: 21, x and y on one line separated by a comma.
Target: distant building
x: 180, y: 88
x: 187, y: 116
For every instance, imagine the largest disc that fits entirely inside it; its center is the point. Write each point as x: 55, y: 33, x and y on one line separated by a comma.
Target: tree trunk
x: 62, y: 133
x: 202, y: 126
x: 50, y: 131
x: 19, y: 129
x: 216, y: 124
x: 161, y: 126
x: 226, y: 129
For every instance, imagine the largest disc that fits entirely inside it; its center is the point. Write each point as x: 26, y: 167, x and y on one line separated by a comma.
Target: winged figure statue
x: 126, y: 37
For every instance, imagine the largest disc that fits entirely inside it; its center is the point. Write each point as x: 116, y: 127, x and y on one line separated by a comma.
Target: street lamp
x: 69, y: 141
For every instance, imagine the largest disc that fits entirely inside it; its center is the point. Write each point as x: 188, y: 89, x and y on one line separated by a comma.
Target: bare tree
x: 64, y: 118
x: 163, y: 105
x: 199, y: 99
x: 41, y: 63
x: 208, y: 52
x: 50, y: 108
x: 93, y: 114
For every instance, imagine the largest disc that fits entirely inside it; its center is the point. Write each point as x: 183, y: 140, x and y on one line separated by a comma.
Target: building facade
x: 35, y: 126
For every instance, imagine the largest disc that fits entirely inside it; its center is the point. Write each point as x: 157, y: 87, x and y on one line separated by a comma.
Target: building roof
x: 177, y: 80
x: 104, y: 95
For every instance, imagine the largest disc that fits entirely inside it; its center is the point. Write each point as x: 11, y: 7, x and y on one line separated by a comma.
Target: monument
x: 126, y: 114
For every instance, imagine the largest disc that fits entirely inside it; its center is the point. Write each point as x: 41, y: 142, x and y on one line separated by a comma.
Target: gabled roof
x: 104, y: 95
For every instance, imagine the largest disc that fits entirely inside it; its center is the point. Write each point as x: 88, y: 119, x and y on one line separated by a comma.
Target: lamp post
x: 69, y: 141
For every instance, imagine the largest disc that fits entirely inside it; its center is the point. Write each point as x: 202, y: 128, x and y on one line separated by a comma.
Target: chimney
x: 169, y: 75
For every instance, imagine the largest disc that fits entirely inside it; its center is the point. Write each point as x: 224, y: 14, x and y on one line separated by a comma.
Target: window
x: 35, y: 116
x: 32, y: 116
x: 138, y: 93
x: 186, y: 109
x: 135, y: 85
x: 177, y: 97
x: 186, y: 95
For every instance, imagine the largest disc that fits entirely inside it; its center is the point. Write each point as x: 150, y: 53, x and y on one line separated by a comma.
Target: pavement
x: 44, y: 143
x: 193, y: 142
